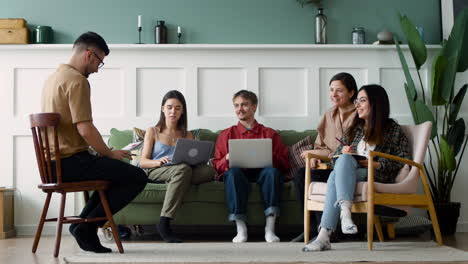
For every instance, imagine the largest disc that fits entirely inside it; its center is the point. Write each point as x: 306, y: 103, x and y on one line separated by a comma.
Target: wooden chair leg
x: 391, y: 230
x: 378, y: 228
x: 110, y: 219
x: 435, y: 222
x: 306, y: 225
x: 370, y: 226
x: 41, y: 223
x: 58, y: 236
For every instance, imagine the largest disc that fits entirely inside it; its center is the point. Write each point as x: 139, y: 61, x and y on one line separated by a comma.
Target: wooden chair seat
x: 74, y: 186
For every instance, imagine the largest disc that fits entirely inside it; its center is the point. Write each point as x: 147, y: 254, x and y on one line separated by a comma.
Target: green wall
x: 223, y: 21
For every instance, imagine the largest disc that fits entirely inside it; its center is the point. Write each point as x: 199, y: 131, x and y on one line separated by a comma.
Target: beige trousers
x: 178, y: 179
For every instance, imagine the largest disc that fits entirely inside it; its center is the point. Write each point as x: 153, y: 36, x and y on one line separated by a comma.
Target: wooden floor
x: 18, y: 250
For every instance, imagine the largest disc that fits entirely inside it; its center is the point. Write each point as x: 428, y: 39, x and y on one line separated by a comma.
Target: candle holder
x: 139, y: 35
x: 179, y: 35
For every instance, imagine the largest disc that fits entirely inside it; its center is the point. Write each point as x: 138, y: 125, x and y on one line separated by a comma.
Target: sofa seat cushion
x: 210, y: 192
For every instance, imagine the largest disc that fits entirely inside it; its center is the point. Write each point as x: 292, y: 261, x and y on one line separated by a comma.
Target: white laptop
x: 250, y: 153
x: 192, y: 152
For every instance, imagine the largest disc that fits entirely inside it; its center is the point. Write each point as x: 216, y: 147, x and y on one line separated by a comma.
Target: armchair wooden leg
x: 378, y: 228
x: 391, y: 230
x: 58, y: 236
x: 306, y: 225
x: 435, y: 222
x: 370, y: 226
x: 111, y: 221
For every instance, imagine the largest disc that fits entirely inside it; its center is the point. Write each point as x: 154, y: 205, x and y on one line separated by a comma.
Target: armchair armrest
x: 371, y: 179
x: 320, y: 157
x: 373, y: 154
x: 307, y: 180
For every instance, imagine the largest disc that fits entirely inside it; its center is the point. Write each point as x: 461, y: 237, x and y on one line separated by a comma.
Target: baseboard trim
x: 8, y: 234
x: 462, y: 227
x: 30, y: 230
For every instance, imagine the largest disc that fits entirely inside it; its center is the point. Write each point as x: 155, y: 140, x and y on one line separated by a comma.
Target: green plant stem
x: 437, y: 123
x: 459, y: 159
x: 445, y: 123
x: 422, y: 87
x: 432, y: 166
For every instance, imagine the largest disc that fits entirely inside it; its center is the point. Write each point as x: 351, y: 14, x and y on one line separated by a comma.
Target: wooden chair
x: 367, y: 194
x: 44, y: 128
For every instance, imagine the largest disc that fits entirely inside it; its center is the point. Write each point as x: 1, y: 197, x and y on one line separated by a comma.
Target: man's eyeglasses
x: 101, y: 63
x: 360, y: 100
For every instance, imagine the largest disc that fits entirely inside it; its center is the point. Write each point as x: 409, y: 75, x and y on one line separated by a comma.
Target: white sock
x: 347, y: 224
x: 322, y: 242
x: 241, y: 232
x: 270, y: 229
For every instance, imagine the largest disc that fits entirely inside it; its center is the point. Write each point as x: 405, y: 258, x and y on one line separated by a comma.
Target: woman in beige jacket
x: 343, y: 91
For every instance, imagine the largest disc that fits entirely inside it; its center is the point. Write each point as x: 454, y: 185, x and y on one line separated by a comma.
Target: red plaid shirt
x: 280, y: 151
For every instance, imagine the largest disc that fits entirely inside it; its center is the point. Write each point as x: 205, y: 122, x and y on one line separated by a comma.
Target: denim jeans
x: 237, y: 188
x: 340, y: 186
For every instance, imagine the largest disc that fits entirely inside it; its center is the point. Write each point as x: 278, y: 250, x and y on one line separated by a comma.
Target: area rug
x: 271, y: 252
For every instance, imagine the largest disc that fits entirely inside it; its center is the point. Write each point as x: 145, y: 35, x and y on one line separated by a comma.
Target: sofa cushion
x: 290, y: 137
x: 119, y: 138
x: 210, y: 192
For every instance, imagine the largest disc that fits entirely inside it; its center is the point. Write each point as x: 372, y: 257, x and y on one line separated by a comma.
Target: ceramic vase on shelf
x: 320, y: 27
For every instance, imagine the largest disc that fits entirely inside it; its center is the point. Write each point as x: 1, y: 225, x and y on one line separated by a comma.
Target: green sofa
x: 204, y: 206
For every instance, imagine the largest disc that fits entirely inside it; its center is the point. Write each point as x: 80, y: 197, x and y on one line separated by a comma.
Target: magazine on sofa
x: 132, y: 146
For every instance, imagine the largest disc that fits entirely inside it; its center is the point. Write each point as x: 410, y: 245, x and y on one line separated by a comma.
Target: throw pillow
x: 295, y: 160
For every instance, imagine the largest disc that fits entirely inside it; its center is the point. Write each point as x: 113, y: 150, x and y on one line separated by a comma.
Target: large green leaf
x: 424, y: 114
x: 448, y: 157
x: 448, y: 78
x: 456, y: 104
x: 411, y: 89
x: 456, y: 136
x: 438, y: 68
x: 411, y: 104
x: 415, y: 42
x: 458, y: 41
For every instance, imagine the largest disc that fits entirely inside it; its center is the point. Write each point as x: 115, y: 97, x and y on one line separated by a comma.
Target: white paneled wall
x: 290, y: 80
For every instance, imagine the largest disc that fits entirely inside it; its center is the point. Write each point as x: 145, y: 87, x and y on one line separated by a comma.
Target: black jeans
x: 126, y: 181
x: 299, y: 184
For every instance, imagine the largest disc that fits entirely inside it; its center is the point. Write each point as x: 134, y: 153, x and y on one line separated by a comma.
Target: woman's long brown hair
x: 182, y: 122
x: 379, y: 116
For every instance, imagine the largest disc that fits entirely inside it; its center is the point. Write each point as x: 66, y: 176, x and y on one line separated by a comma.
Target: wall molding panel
x: 290, y: 80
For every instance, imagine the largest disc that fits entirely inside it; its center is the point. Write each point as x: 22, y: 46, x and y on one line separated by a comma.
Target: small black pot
x: 447, y: 215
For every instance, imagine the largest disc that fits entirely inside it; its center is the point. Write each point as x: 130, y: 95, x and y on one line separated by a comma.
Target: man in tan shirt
x: 67, y: 91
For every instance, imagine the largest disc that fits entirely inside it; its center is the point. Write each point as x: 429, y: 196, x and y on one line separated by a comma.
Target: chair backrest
x: 418, y: 139
x: 44, y: 129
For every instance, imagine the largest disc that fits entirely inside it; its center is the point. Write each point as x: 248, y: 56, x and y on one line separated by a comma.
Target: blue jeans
x: 340, y: 186
x: 237, y: 188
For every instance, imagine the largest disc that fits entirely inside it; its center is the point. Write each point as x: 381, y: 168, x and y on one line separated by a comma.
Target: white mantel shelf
x: 215, y: 46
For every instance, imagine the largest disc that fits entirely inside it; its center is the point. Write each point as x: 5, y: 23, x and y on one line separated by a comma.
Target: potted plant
x: 441, y: 107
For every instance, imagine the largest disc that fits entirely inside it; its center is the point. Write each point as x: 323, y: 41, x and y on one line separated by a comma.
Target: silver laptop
x: 250, y: 153
x: 191, y: 152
